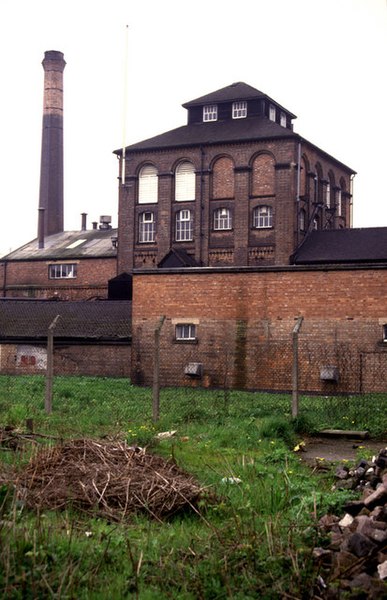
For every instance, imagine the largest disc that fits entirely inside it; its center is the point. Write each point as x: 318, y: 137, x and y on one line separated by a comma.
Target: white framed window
x: 62, y: 271
x: 302, y: 219
x: 272, y: 112
x: 185, y: 181
x: 239, y: 110
x: 148, y: 185
x: 282, y: 119
x: 328, y: 195
x: 262, y: 217
x: 210, y: 112
x: 339, y: 204
x: 385, y: 333
x: 185, y: 332
x: 146, y: 227
x: 184, y: 226
x: 222, y: 219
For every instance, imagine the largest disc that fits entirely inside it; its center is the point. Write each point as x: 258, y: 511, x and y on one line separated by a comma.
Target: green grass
x: 254, y: 541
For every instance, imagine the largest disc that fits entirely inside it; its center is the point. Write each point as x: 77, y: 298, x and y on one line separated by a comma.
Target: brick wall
x: 87, y: 360
x: 238, y: 177
x: 30, y: 279
x: 245, y: 322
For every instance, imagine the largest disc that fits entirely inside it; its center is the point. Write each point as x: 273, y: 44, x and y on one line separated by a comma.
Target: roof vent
x: 104, y: 222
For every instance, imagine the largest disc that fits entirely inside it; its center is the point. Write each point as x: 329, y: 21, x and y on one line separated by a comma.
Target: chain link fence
x: 175, y: 384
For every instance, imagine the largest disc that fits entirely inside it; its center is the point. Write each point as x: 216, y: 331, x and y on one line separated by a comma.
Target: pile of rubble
x: 354, y: 563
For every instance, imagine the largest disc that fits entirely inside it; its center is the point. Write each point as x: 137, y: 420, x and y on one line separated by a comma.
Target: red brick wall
x: 271, y: 179
x: 88, y: 360
x: 245, y: 323
x: 30, y: 279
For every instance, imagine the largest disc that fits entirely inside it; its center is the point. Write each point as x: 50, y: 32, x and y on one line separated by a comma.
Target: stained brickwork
x: 245, y: 321
x: 30, y: 279
x: 238, y: 177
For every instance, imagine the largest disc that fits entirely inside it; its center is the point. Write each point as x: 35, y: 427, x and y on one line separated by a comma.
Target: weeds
x: 255, y: 541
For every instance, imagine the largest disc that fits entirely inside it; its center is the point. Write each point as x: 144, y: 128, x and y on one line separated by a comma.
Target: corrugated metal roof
x: 95, y: 320
x: 94, y: 243
x: 334, y: 246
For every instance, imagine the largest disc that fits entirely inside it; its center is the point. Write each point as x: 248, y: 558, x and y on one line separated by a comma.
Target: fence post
x: 156, y: 372
x: 50, y: 365
x: 296, y: 330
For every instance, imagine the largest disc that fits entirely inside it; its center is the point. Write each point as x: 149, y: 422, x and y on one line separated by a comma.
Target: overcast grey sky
x: 324, y: 60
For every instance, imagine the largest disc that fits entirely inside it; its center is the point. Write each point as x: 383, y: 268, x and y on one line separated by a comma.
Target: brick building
x: 68, y: 265
x: 235, y: 227
x: 90, y: 338
x: 235, y: 186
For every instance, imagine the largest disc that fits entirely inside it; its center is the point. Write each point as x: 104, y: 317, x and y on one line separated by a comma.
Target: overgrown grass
x: 255, y: 541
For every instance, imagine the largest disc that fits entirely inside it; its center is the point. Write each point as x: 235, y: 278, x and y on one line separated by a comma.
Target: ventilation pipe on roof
x: 95, y: 225
x: 83, y: 222
x: 40, y: 227
x: 104, y: 222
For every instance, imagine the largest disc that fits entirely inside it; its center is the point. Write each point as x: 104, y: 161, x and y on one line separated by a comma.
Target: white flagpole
x: 124, y: 111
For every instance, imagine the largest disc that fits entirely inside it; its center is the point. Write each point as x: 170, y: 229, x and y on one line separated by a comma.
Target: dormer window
x: 272, y: 114
x: 239, y: 110
x: 283, y: 119
x: 210, y: 112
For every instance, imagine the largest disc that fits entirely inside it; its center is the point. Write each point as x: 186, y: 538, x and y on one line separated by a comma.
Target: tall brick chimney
x: 51, y: 166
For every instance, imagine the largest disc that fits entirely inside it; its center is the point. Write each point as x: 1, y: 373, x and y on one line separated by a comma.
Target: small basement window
x: 185, y: 332
x: 385, y: 333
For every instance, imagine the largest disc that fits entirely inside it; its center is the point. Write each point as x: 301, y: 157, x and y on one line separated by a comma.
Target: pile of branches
x: 104, y: 478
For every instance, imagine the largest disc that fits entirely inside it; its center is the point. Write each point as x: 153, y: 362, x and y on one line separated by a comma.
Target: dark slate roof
x: 365, y: 245
x: 177, y: 258
x: 231, y: 93
x: 28, y: 320
x: 233, y: 130
x: 93, y: 243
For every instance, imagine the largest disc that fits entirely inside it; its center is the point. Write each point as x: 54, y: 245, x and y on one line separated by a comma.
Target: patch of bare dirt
x: 336, y: 449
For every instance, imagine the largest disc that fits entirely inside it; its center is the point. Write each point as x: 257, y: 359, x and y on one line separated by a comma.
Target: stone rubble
x: 354, y: 562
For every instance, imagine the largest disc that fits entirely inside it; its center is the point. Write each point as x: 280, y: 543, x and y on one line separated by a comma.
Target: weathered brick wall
x: 87, y: 360
x: 239, y: 177
x: 30, y: 279
x: 245, y: 322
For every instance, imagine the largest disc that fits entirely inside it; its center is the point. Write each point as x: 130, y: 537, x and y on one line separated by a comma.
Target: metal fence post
x: 296, y: 330
x: 156, y: 372
x: 50, y: 365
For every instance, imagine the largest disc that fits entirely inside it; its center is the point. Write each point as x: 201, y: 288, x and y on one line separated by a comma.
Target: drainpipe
x: 298, y: 193
x: 41, y: 227
x: 5, y: 278
x: 201, y: 205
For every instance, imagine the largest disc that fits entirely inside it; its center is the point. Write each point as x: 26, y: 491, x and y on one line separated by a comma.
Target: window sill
x: 185, y: 341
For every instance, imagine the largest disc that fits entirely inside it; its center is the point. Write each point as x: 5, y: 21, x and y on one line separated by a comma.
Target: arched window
x: 302, y: 219
x: 263, y: 176
x: 304, y: 178
x: 184, y: 226
x: 185, y: 182
x: 146, y: 227
x: 262, y: 217
x: 222, y: 219
x: 148, y: 185
x: 223, y: 178
x: 328, y: 194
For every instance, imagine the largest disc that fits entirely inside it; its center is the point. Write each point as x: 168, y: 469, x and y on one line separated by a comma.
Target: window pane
x: 184, y: 226
x: 210, y: 112
x: 222, y: 219
x: 147, y: 227
x: 62, y: 271
x: 186, y: 332
x: 148, y: 185
x: 263, y: 217
x: 239, y: 110
x: 185, y: 182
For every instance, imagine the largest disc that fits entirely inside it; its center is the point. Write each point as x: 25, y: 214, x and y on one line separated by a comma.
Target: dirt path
x: 337, y: 449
